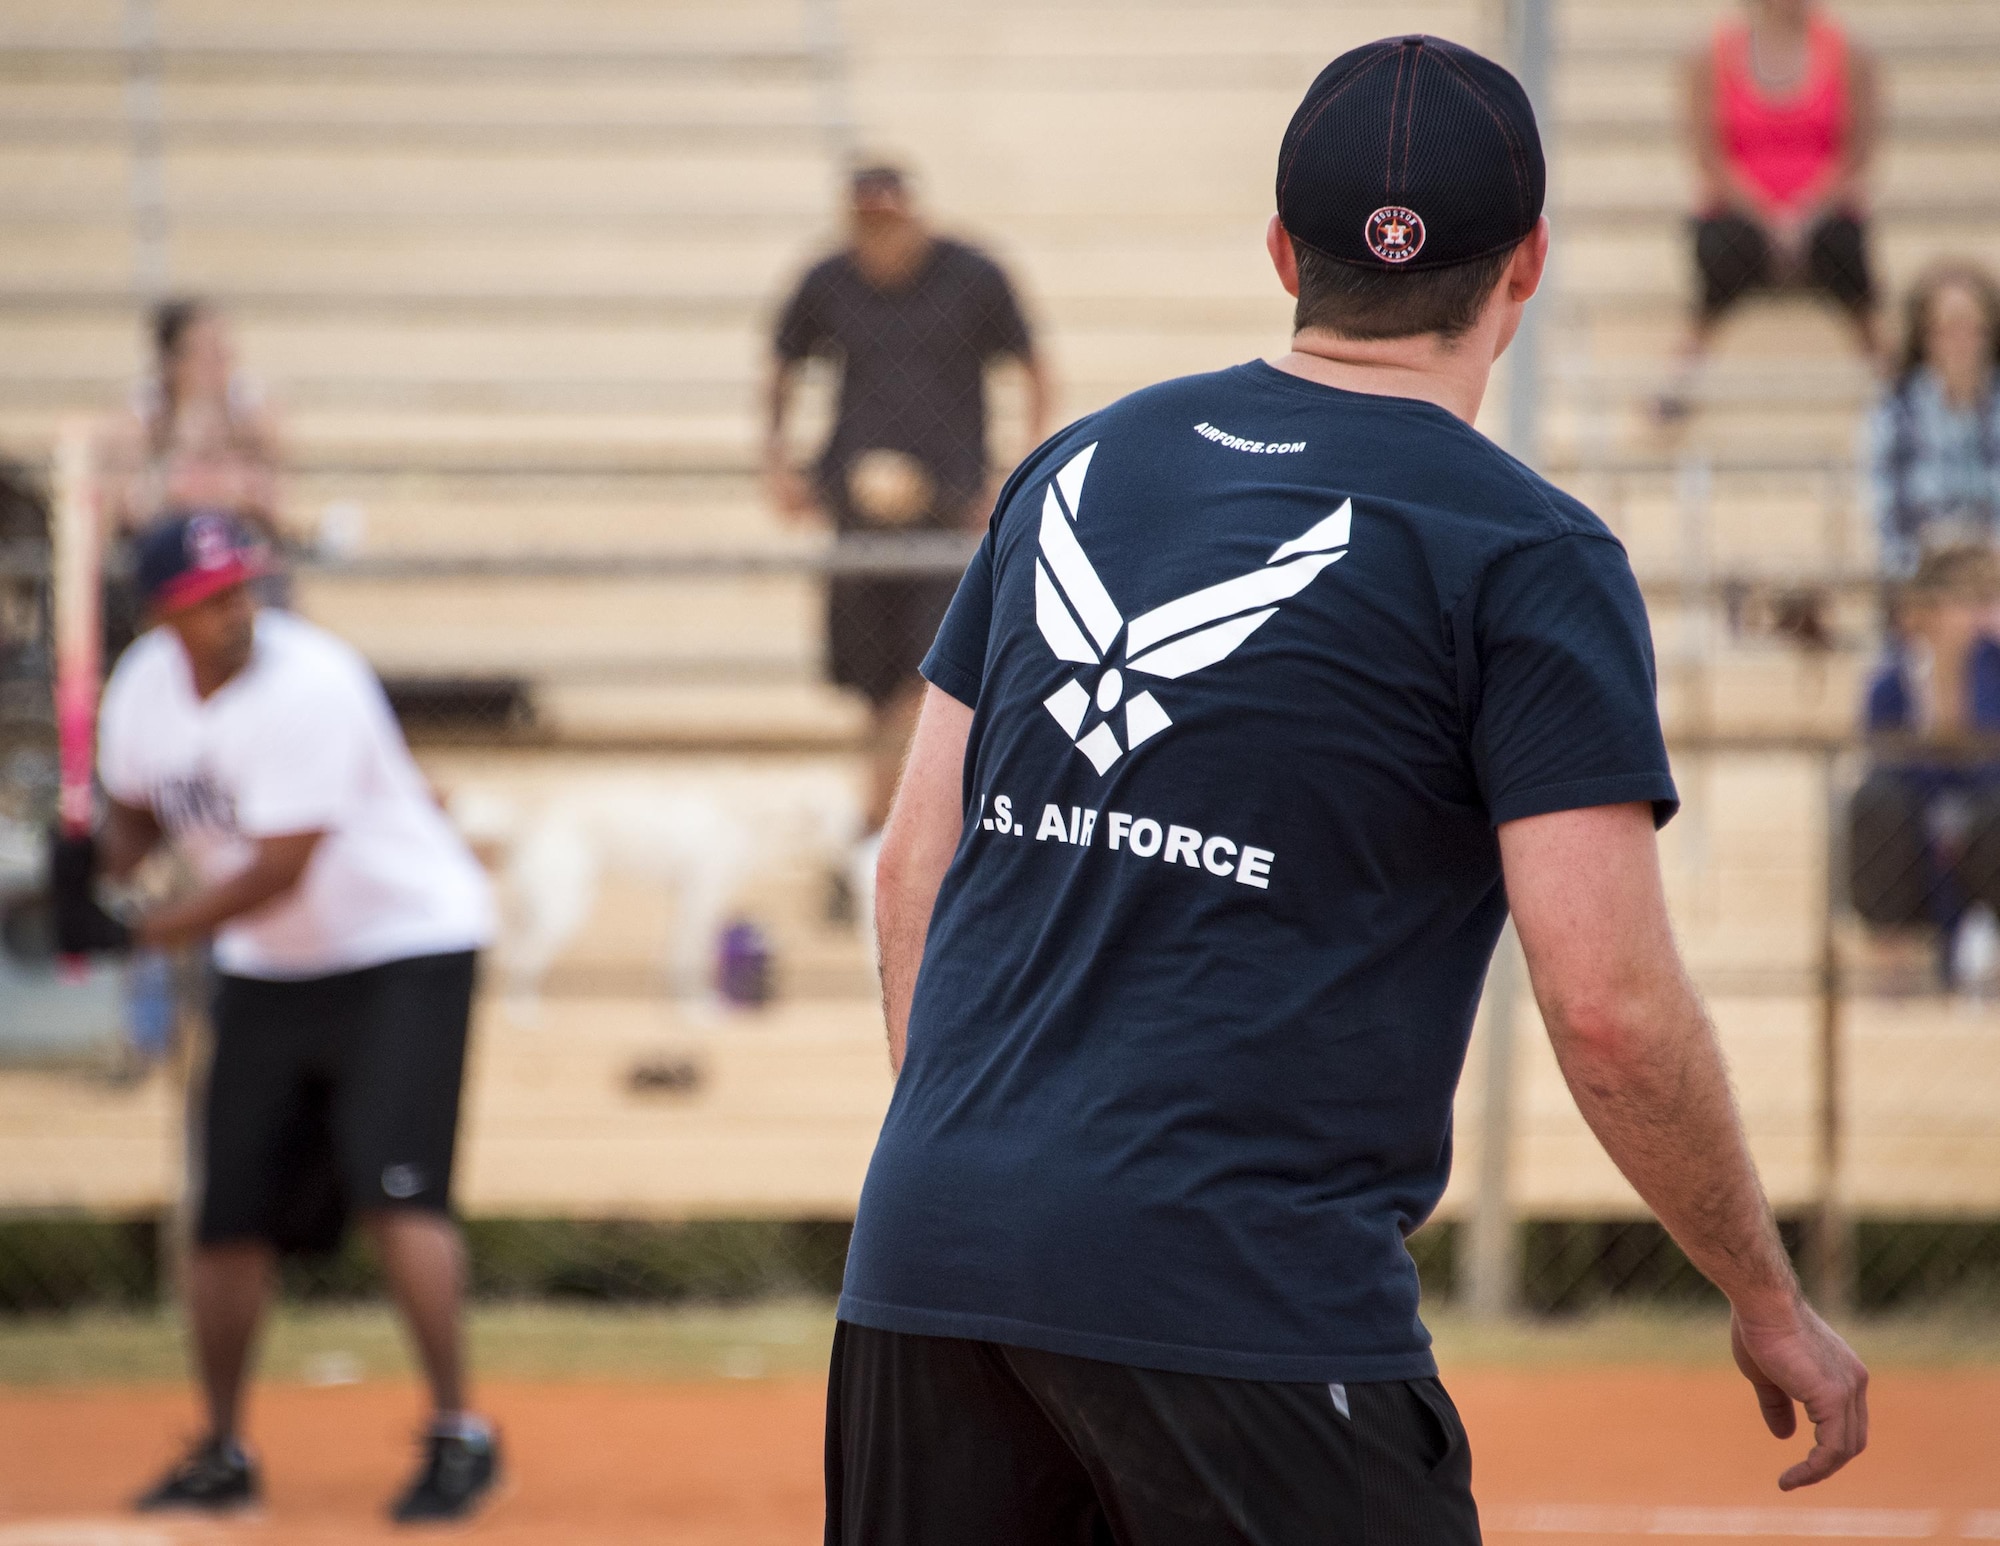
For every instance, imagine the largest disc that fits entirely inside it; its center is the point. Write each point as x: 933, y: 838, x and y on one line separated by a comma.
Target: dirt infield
x: 1572, y: 1455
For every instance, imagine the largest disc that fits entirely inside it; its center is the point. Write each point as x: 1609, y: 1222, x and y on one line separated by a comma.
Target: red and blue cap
x: 185, y: 557
x: 1412, y: 153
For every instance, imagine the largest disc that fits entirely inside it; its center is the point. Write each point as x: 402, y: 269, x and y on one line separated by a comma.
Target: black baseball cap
x: 877, y: 178
x: 185, y: 557
x: 1411, y: 153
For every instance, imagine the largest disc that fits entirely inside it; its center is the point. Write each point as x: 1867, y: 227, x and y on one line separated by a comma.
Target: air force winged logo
x: 1082, y: 624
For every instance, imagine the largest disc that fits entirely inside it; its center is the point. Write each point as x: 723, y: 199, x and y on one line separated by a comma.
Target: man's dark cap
x: 185, y: 557
x: 877, y: 177
x: 1411, y: 153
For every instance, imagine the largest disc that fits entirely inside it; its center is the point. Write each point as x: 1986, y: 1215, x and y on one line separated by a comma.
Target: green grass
x: 528, y: 1341
x: 780, y: 1337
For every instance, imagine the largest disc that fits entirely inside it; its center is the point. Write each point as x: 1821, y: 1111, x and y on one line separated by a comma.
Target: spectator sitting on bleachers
x: 1934, y: 440
x: 196, y: 435
x: 1782, y: 113
x: 1925, y: 833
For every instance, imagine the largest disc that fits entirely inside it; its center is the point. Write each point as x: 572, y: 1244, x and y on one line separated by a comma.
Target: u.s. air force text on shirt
x: 1142, y: 837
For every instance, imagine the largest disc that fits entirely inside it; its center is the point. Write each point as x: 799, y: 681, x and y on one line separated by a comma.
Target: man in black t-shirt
x: 1270, y: 693
x: 912, y: 321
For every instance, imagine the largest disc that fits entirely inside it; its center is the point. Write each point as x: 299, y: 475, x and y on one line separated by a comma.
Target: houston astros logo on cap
x: 1403, y: 125
x: 1394, y: 234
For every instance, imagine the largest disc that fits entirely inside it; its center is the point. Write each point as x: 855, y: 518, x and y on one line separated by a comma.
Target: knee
x: 1837, y: 255
x: 1883, y: 799
x: 1979, y: 866
x: 1890, y: 874
x: 406, y: 1215
x: 389, y: 1225
x: 1732, y: 254
x: 231, y: 1265
x: 1838, y: 235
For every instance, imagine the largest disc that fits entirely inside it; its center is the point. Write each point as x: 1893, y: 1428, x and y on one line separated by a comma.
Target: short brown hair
x: 1968, y: 571
x: 1355, y: 301
x: 878, y: 177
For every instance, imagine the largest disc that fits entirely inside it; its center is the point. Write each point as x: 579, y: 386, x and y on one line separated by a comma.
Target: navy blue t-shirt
x: 1257, y: 666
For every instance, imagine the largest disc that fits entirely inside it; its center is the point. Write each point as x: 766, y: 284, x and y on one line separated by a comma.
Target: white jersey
x: 301, y: 740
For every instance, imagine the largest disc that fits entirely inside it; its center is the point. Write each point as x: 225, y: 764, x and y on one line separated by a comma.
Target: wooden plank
x: 789, y: 1100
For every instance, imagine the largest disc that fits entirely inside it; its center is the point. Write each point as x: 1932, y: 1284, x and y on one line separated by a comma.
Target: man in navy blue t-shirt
x: 1267, y: 694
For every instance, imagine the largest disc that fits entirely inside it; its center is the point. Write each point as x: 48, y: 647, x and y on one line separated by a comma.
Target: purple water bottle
x: 743, y: 965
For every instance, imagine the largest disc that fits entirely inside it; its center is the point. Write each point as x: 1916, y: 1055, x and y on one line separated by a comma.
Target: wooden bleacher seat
x: 509, y: 264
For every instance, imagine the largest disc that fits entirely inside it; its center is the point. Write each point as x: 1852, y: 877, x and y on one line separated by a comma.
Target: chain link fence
x: 675, y: 1093
x: 1917, y: 889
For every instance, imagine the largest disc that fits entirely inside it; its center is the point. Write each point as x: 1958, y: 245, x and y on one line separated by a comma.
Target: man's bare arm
x: 786, y: 486
x: 1641, y: 1058
x: 276, y: 867
x: 129, y: 834
x: 1041, y: 397
x: 922, y: 834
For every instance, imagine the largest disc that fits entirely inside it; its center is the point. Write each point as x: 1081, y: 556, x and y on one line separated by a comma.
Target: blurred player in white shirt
x: 346, y: 916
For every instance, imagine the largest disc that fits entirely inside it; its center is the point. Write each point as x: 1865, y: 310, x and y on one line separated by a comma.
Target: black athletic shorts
x: 934, y: 1441
x: 880, y: 627
x: 1733, y: 258
x: 332, y: 1095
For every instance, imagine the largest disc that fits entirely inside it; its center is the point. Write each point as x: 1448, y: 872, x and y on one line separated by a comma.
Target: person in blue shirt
x: 1924, y: 843
x: 1267, y: 695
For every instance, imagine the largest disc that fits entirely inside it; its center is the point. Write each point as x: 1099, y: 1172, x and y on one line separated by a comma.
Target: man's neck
x: 1453, y: 377
x: 211, y: 679
x: 210, y: 674
x: 1780, y: 30
x: 891, y: 261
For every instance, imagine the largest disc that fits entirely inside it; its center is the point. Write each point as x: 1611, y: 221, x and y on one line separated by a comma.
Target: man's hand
x: 1790, y: 1355
x: 789, y: 492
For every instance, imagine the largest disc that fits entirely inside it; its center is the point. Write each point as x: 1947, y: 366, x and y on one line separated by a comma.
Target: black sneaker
x: 215, y: 1478
x: 457, y: 1473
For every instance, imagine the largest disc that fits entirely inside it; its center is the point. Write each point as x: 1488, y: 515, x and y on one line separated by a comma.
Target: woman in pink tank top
x: 1783, y: 114
x: 1779, y: 113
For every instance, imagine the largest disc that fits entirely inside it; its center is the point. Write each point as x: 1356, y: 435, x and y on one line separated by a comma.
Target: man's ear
x: 1278, y: 242
x: 1530, y: 263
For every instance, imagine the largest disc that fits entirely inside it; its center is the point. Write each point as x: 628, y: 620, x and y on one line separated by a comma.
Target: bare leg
x: 227, y: 1287
x: 1676, y: 403
x: 424, y: 1260
x: 1868, y: 333
x: 895, y: 722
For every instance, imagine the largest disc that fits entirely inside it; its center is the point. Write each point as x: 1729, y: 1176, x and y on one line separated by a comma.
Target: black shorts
x: 932, y: 1440
x: 329, y: 1096
x: 880, y: 627
x: 1733, y: 257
